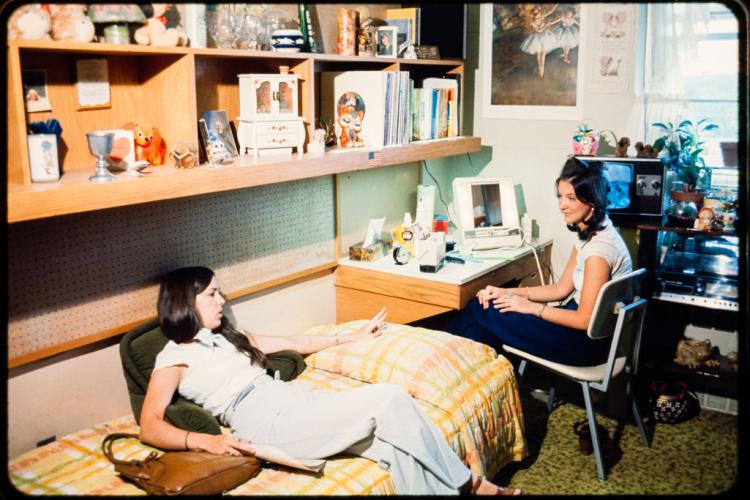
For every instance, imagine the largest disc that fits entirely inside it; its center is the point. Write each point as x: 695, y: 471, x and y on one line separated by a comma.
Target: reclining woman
x: 520, y: 316
x: 222, y: 369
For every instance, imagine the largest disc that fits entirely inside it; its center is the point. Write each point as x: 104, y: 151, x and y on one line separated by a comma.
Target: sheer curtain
x: 672, y: 32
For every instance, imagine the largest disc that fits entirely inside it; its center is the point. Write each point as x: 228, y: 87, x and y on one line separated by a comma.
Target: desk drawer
x: 523, y: 271
x: 404, y: 287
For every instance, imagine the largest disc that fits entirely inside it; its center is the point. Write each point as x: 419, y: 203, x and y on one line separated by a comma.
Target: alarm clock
x: 400, y: 255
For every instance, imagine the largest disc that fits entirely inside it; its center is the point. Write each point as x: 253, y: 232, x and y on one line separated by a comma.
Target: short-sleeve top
x: 607, y: 244
x: 216, y: 370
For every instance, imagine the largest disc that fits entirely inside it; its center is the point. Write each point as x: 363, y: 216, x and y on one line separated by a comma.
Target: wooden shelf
x: 74, y: 193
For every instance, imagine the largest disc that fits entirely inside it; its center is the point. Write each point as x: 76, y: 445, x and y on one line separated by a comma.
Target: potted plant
x: 680, y: 151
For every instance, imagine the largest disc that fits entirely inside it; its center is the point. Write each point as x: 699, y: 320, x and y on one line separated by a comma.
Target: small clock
x: 400, y: 255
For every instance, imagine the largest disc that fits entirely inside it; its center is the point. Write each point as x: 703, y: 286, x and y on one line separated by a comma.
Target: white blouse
x: 216, y: 371
x: 607, y: 244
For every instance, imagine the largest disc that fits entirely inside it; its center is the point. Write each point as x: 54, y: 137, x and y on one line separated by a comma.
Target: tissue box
x: 370, y: 253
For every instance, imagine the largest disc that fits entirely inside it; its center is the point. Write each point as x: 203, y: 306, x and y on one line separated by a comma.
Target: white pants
x: 380, y: 422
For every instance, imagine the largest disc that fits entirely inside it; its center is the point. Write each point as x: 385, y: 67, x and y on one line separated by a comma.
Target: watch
x: 401, y: 255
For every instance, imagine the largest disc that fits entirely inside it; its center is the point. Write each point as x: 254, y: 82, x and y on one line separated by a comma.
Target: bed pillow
x: 431, y: 365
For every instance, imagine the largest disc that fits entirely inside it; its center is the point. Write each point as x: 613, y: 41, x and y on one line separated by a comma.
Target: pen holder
x: 369, y: 253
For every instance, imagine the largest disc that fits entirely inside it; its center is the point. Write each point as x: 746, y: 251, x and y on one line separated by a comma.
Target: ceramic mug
x: 287, y: 40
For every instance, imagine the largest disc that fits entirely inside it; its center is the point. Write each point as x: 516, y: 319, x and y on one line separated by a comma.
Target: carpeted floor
x: 698, y: 456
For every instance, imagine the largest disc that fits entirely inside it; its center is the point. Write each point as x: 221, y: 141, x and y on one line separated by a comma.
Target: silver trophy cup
x: 100, y: 145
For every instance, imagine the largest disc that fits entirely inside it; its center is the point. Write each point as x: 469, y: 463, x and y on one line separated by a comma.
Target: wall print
x: 532, y: 60
x: 35, y: 90
x: 613, y: 47
x: 92, y: 83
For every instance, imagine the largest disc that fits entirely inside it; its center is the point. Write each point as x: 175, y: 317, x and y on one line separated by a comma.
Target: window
x: 693, y: 70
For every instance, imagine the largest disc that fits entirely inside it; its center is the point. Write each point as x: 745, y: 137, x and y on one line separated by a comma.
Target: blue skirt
x: 531, y: 334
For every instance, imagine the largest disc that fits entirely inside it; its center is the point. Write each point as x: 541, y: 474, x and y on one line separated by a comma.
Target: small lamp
x: 115, y: 19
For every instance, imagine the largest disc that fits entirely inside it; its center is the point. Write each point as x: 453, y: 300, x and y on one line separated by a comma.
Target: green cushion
x: 138, y: 350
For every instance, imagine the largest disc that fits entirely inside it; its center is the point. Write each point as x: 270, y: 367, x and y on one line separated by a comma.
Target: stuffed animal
x: 149, y: 145
x: 621, y: 151
x: 693, y: 353
x: 645, y: 150
x: 70, y: 22
x: 162, y: 29
x: 30, y: 22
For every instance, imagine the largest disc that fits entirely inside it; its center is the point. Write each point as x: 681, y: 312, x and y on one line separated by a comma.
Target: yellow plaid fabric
x: 482, y: 421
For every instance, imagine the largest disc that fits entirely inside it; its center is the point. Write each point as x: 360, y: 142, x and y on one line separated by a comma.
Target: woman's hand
x: 222, y: 444
x: 372, y: 329
x: 509, y: 302
x: 487, y: 294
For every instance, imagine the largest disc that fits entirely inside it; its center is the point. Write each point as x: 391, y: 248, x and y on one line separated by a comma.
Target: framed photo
x: 531, y: 60
x: 92, y: 83
x: 35, y: 90
x: 387, y: 41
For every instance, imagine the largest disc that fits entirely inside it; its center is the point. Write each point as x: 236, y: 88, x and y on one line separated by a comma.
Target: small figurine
x: 184, y: 154
x: 705, y: 219
x: 318, y: 143
x: 621, y: 151
x: 645, y: 150
x: 149, y: 145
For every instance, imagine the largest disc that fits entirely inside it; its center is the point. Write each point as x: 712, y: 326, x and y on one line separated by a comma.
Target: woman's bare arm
x: 308, y: 344
x: 158, y: 432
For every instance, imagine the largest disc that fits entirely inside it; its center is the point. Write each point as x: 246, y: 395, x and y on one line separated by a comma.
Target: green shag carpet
x: 698, y: 456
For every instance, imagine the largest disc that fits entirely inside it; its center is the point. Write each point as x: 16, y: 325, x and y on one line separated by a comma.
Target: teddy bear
x: 70, y: 22
x: 163, y: 28
x: 621, y: 151
x: 30, y: 22
x: 149, y: 144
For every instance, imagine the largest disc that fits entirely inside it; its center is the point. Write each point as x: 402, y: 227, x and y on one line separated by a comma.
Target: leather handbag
x: 183, y: 472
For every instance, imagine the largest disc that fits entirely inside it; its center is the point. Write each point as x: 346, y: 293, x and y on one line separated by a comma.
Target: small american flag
x: 373, y: 158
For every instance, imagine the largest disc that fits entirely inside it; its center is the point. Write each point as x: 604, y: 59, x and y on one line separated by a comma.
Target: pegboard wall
x: 74, y: 276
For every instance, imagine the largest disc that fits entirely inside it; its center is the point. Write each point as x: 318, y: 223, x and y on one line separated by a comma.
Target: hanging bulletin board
x: 71, y: 278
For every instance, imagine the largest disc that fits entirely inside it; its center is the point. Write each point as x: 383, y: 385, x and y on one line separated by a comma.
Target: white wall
x: 533, y: 151
x: 85, y: 387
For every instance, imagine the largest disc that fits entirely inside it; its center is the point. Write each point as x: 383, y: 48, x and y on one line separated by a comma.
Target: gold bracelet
x: 541, y: 310
x: 186, y: 444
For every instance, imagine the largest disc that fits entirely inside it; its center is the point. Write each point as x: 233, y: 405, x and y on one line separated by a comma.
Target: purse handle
x: 107, y: 448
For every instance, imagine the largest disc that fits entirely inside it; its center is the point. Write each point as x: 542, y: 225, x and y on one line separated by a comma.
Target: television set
x: 486, y: 212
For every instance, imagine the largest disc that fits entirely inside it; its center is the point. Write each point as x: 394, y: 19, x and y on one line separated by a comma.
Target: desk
x: 362, y: 288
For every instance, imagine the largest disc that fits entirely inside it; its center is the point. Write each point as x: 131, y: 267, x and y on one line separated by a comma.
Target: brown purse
x: 183, y: 472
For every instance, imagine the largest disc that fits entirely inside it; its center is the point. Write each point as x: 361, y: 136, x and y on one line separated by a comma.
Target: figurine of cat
x: 693, y: 353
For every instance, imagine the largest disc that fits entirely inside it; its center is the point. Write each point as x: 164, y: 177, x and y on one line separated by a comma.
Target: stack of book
x: 435, y: 109
x: 383, y: 108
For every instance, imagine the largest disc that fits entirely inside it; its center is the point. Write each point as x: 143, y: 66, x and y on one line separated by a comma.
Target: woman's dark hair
x: 179, y: 319
x: 591, y: 187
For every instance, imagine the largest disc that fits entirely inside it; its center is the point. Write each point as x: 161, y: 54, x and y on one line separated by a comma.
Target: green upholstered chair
x: 138, y: 350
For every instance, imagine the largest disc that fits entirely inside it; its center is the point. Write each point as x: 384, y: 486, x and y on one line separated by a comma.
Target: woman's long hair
x: 591, y: 187
x: 179, y: 319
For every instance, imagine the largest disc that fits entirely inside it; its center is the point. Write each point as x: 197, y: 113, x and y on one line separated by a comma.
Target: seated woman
x: 519, y: 317
x: 222, y: 369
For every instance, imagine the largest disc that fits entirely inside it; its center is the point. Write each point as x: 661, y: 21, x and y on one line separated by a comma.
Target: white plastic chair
x: 617, y: 304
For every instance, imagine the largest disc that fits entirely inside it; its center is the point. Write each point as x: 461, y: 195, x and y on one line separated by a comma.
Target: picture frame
x: 387, y: 41
x: 519, y: 83
x: 92, y: 83
x: 35, y: 91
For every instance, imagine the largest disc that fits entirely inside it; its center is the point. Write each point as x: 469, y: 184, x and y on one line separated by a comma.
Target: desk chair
x: 617, y: 304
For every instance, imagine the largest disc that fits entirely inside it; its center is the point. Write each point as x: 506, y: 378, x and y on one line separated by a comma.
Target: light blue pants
x: 380, y: 422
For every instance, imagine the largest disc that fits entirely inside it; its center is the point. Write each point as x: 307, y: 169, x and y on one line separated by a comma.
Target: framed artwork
x: 35, y: 90
x: 92, y: 83
x: 532, y: 60
x: 387, y: 41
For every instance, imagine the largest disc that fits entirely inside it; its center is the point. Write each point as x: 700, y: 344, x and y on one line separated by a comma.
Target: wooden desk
x: 362, y: 288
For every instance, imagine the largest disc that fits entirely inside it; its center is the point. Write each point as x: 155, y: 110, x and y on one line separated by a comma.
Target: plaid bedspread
x: 480, y: 416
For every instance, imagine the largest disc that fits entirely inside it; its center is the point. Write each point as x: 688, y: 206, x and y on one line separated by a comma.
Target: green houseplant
x: 681, y: 149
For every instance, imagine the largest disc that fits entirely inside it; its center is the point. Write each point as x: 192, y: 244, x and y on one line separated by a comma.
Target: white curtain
x: 672, y: 34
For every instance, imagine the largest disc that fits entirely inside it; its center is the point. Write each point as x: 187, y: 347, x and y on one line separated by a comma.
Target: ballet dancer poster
x: 532, y: 60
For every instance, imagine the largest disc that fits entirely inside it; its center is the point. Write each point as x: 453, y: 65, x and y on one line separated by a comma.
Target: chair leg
x: 600, y: 470
x: 636, y: 413
x: 551, y: 397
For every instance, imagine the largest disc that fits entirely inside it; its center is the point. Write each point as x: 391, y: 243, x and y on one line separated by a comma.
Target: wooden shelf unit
x: 170, y: 88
